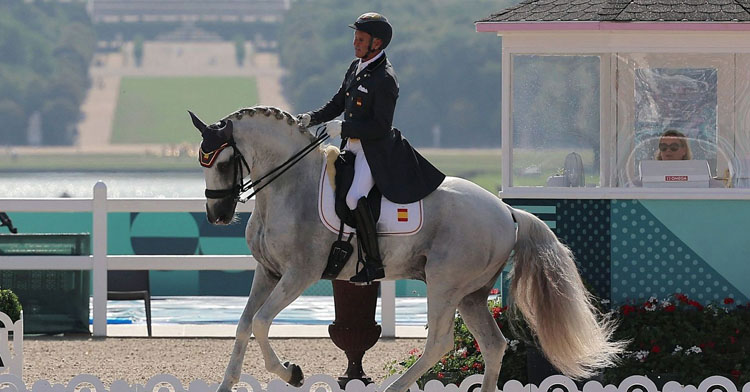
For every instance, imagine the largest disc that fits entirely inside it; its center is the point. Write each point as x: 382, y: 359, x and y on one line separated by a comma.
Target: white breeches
x: 363, y: 180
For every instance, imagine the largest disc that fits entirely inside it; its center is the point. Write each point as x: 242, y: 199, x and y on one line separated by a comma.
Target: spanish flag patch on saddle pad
x: 395, y: 219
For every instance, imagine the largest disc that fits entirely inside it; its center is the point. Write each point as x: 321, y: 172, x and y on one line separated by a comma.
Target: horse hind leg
x: 262, y: 286
x: 441, y: 309
x: 291, y: 286
x: 482, y: 325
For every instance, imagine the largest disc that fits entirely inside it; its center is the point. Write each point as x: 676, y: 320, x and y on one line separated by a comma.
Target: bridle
x: 239, y: 185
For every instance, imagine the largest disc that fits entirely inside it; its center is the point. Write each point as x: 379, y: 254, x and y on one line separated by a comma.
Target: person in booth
x: 367, y: 98
x: 673, y: 146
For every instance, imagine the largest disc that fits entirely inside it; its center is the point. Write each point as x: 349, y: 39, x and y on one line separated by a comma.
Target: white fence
x: 169, y: 383
x: 11, y: 351
x: 99, y: 262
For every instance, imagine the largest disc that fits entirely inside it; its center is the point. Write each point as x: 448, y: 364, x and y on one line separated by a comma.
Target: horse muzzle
x: 221, y: 211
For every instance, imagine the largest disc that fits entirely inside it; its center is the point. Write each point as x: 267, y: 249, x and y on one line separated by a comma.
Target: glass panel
x: 675, y: 107
x: 555, y: 120
x: 680, y: 100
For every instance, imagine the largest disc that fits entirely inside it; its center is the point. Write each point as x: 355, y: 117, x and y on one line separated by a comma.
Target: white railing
x: 318, y: 382
x: 99, y: 262
x: 11, y: 351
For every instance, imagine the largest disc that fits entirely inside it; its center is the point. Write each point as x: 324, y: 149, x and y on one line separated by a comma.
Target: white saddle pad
x: 395, y: 219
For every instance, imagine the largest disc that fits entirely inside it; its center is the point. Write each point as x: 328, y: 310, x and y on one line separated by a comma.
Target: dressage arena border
x: 11, y: 352
x: 324, y: 383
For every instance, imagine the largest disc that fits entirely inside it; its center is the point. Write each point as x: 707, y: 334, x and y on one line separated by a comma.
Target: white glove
x: 333, y: 128
x: 303, y: 119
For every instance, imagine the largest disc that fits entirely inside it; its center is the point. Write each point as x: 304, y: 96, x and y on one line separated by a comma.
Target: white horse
x: 467, y: 238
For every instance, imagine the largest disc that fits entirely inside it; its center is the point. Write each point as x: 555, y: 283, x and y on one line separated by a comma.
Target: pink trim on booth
x: 482, y: 27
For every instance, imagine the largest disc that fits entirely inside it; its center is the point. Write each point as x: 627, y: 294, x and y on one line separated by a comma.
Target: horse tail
x: 546, y: 287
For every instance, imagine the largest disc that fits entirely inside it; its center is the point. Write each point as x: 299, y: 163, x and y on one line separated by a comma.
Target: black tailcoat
x: 368, y: 100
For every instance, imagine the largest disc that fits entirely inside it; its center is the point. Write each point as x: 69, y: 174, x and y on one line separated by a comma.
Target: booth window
x: 677, y: 99
x: 555, y: 120
x: 692, y: 94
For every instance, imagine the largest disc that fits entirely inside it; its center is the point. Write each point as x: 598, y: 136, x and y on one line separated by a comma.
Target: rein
x: 240, y: 187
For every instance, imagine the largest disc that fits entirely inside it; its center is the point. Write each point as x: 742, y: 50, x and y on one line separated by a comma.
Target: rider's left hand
x: 304, y: 120
x: 333, y: 128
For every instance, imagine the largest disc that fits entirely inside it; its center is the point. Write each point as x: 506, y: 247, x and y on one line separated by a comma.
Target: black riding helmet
x: 376, y: 25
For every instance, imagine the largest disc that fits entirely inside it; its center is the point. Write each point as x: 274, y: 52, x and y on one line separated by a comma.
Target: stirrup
x: 367, y: 274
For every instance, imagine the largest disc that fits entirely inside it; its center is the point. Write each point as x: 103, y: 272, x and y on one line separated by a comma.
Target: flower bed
x: 676, y: 338
x: 685, y: 340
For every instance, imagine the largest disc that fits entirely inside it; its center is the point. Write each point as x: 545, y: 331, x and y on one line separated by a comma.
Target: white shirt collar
x: 362, y: 65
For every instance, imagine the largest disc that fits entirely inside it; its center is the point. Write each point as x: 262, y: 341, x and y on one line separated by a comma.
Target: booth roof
x: 624, y: 11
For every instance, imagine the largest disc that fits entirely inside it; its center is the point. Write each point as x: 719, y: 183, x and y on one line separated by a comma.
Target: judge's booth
x: 583, y: 117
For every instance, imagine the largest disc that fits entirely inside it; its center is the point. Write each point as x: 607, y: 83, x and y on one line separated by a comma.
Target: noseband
x: 239, y: 185
x: 238, y: 163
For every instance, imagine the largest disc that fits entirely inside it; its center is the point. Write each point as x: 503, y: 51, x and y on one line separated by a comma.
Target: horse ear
x: 197, y: 122
x: 227, y: 130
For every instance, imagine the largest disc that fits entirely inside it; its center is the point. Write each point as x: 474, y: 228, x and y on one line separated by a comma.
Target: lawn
x: 154, y: 109
x: 481, y: 166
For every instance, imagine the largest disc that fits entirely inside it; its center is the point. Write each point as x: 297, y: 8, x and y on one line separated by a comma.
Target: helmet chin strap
x: 370, y: 50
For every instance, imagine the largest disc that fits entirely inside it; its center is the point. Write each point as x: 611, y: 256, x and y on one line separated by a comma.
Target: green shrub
x: 10, y: 305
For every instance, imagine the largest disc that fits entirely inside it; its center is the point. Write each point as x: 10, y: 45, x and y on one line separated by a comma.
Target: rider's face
x: 362, y: 43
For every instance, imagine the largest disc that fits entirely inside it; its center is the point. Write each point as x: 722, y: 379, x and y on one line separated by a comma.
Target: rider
x: 367, y: 97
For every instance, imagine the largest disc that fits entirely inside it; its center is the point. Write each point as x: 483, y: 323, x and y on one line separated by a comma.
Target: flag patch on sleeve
x: 403, y: 215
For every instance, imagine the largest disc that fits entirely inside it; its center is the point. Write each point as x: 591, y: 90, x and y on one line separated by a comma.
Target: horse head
x: 226, y: 149
x: 218, y: 157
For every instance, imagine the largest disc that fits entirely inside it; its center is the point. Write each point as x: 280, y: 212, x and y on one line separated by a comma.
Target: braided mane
x: 268, y: 111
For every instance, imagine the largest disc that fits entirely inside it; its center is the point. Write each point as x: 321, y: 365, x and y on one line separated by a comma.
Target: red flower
x: 735, y: 373
x: 464, y: 368
x: 655, y: 349
x: 476, y: 346
x: 477, y: 365
x: 670, y: 308
x: 627, y: 309
x: 414, y: 351
x: 732, y: 340
x: 681, y: 297
x: 440, y: 375
x: 496, y: 311
x: 494, y: 291
x: 728, y: 301
x: 695, y: 304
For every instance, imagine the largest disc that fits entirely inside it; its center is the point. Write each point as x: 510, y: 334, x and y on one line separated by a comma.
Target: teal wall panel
x: 649, y: 258
x: 51, y: 222
x: 716, y: 230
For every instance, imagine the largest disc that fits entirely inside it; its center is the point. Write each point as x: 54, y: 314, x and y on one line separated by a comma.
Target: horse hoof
x: 297, y: 376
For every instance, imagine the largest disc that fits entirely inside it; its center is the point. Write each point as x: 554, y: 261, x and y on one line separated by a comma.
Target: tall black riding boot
x: 368, y: 237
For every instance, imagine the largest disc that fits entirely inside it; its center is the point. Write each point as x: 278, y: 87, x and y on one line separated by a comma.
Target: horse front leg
x: 291, y: 286
x: 263, y: 284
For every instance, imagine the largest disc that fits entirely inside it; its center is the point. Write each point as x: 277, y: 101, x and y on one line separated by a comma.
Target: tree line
x: 449, y: 75
x: 45, y: 51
